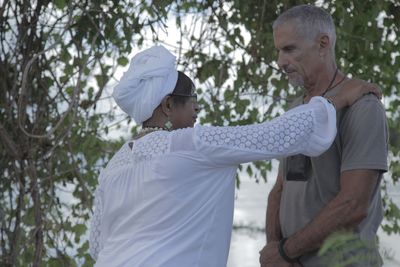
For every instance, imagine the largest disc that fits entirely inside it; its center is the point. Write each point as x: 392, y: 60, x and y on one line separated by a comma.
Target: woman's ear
x: 166, y: 105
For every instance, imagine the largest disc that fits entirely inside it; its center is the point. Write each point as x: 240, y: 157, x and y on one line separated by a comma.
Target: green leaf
x: 59, y: 3
x: 90, y: 92
x: 70, y: 90
x: 123, y: 61
x: 101, y: 80
x: 65, y: 56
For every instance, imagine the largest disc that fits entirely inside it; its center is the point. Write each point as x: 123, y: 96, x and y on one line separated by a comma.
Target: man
x: 316, y: 196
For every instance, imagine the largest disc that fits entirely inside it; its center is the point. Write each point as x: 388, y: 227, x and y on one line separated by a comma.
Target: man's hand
x: 269, y: 256
x: 352, y: 90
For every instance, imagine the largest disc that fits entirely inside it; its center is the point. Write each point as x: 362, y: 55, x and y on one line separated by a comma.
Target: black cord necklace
x: 330, y: 86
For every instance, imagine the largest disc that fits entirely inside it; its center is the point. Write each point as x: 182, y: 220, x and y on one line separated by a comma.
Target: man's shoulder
x: 366, y: 104
x: 366, y: 113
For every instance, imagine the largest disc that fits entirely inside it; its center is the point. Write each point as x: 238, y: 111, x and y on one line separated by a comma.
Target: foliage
x: 347, y: 249
x: 57, y: 59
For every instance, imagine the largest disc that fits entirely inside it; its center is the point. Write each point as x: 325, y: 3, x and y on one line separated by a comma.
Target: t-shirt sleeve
x: 364, y: 136
x: 308, y: 129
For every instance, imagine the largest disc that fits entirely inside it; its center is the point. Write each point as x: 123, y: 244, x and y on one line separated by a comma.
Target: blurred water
x: 250, y: 207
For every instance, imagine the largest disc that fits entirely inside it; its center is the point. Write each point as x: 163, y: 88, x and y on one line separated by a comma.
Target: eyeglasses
x: 193, y: 96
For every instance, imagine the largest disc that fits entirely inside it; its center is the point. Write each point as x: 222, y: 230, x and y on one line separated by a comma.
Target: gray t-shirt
x: 310, y: 183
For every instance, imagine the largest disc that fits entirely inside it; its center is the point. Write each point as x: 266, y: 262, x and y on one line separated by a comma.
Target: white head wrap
x: 151, y: 76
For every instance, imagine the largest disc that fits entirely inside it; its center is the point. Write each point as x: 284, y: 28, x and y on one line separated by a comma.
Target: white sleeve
x: 95, y: 242
x: 307, y: 129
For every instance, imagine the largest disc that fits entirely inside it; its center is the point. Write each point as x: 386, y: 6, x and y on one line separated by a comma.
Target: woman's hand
x: 352, y: 91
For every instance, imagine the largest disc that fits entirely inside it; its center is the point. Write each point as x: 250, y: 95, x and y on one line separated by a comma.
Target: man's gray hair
x: 310, y: 21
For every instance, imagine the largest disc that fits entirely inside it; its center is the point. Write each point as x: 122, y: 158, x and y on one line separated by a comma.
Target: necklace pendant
x: 147, y: 130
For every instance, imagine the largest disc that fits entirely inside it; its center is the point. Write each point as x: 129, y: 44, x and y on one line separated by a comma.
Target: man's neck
x: 322, y: 85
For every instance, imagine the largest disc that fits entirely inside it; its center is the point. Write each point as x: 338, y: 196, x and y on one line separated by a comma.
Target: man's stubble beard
x: 296, y: 81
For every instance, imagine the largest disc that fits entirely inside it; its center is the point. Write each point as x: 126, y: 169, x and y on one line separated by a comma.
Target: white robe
x: 169, y: 201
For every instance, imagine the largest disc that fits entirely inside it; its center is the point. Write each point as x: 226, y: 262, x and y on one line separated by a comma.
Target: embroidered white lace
x: 145, y: 148
x: 95, y: 244
x: 267, y: 137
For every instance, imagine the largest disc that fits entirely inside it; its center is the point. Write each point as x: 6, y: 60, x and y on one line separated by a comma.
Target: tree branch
x: 17, y: 228
x: 8, y: 143
x: 22, y: 101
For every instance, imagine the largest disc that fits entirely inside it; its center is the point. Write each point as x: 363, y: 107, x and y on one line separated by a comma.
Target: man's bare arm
x: 272, y: 223
x: 345, y: 211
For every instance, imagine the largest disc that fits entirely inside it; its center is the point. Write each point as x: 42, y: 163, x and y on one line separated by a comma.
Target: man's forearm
x: 345, y: 211
x: 272, y: 223
x: 338, y: 214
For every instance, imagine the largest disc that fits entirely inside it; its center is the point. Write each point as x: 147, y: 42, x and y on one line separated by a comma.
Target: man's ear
x: 324, y: 44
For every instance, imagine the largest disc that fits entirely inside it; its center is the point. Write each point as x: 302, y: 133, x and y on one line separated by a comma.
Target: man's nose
x: 282, y: 60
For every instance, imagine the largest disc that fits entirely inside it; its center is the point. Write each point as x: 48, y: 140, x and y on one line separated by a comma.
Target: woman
x: 166, y: 198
